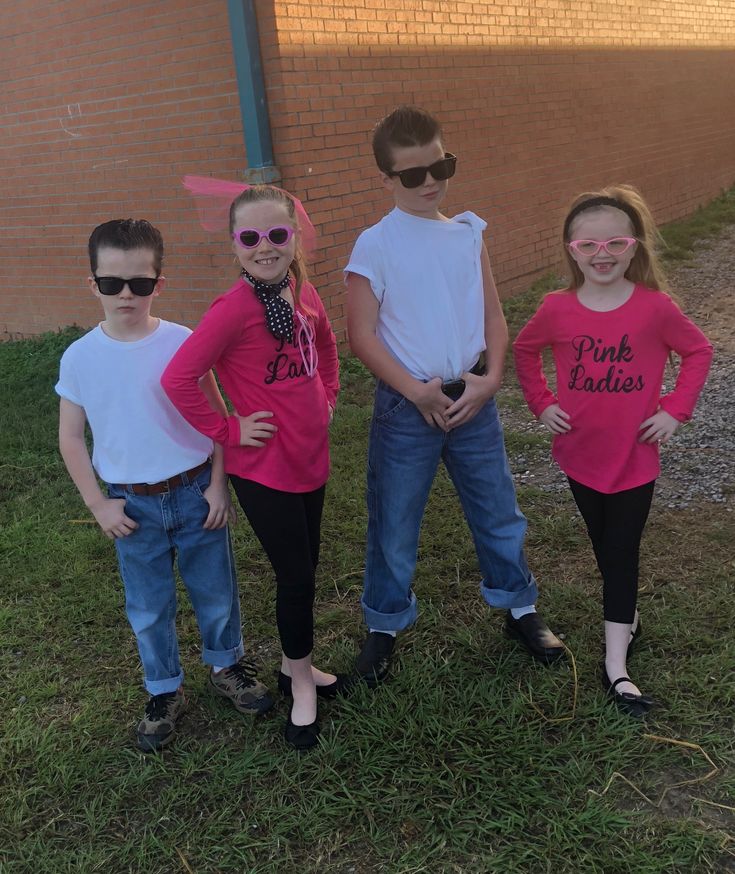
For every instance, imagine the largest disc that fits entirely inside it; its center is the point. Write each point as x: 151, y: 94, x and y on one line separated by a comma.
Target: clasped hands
x: 442, y: 412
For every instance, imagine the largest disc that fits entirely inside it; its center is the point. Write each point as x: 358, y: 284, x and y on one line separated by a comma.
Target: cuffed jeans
x: 171, y: 525
x: 403, y: 458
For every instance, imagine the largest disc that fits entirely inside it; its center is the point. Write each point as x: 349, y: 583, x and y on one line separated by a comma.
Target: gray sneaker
x: 158, y: 725
x: 240, y: 685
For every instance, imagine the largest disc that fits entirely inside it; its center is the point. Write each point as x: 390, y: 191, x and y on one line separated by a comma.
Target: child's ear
x: 92, y: 283
x: 160, y: 285
x: 388, y: 181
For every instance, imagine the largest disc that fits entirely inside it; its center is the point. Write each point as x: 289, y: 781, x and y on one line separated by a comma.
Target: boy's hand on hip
x: 432, y: 403
x: 658, y: 427
x: 477, y: 392
x: 217, y: 495
x: 253, y: 432
x: 110, y: 516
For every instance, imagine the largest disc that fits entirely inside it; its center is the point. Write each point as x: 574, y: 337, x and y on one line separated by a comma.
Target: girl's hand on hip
x: 658, y: 427
x: 555, y: 419
x: 432, y: 403
x: 253, y: 432
x: 477, y: 392
x: 110, y: 516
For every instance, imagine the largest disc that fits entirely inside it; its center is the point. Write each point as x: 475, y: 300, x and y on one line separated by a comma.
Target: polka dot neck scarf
x: 278, y: 312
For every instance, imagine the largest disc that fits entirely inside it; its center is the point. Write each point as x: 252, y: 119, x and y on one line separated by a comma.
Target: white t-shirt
x: 138, y: 435
x: 427, y: 277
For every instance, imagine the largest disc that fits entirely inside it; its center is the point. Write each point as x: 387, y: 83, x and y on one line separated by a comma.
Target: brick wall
x: 105, y: 105
x: 109, y: 104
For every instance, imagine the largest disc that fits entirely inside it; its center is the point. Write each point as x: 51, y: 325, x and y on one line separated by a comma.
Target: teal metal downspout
x: 251, y: 87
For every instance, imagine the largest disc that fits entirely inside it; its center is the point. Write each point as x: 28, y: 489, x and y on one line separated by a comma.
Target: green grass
x: 704, y: 224
x: 470, y: 760
x: 456, y: 765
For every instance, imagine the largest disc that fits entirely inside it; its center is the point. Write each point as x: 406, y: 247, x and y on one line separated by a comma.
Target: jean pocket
x: 200, y: 485
x: 387, y: 403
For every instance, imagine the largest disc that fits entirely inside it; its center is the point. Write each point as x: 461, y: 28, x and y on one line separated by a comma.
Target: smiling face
x: 266, y: 262
x: 127, y: 316
x: 425, y: 200
x: 602, y: 224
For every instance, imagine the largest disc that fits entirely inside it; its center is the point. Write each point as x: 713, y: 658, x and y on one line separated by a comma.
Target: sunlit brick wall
x: 106, y: 105
x: 540, y: 100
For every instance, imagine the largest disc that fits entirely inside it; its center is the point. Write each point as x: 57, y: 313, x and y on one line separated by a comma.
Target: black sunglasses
x: 142, y: 286
x: 412, y: 177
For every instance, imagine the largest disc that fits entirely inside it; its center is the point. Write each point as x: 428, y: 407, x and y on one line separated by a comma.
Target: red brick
x: 525, y: 120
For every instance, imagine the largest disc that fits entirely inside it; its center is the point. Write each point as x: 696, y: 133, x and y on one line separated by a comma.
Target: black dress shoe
x: 301, y: 737
x: 373, y: 663
x: 536, y: 636
x: 634, y: 705
x: 341, y: 686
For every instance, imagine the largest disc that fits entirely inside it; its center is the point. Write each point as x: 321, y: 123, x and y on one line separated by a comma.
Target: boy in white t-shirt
x: 164, y: 496
x: 424, y: 316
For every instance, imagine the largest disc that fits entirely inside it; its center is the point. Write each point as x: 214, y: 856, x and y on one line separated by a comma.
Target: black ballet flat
x: 636, y: 706
x: 341, y: 686
x: 301, y: 737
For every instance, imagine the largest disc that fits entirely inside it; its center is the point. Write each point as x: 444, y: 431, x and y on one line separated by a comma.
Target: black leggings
x: 615, y: 525
x: 288, y: 525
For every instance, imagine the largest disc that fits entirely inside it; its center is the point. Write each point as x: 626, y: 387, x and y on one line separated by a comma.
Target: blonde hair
x: 259, y: 193
x: 645, y: 267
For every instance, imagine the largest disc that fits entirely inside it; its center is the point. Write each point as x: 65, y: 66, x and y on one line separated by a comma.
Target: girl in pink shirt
x: 275, y: 354
x: 611, y: 333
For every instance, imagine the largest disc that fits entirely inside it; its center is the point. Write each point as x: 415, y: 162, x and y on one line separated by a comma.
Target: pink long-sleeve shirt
x: 609, y: 373
x: 259, y: 372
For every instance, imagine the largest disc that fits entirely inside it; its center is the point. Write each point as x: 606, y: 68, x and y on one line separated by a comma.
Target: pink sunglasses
x: 249, y: 238
x: 615, y: 246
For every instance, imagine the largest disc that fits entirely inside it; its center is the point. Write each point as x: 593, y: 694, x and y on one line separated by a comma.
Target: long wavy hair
x: 645, y: 267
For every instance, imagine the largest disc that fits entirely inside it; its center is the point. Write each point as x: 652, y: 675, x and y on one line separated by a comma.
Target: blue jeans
x: 170, y: 525
x: 403, y: 458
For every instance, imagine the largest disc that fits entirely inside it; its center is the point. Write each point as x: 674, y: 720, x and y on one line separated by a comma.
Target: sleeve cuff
x: 233, y: 431
x: 674, y: 411
x: 544, y: 405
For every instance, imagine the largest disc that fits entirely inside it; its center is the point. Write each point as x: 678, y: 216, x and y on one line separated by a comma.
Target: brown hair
x: 645, y: 267
x: 258, y: 193
x: 405, y: 126
x: 126, y: 234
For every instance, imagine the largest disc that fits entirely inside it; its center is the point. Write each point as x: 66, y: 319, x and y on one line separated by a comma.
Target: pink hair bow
x: 213, y: 198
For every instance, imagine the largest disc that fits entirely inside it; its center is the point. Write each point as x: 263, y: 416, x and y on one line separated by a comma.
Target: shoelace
x: 157, y: 706
x: 244, y: 673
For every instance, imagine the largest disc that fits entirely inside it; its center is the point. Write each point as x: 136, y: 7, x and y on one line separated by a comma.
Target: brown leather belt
x: 167, y: 485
